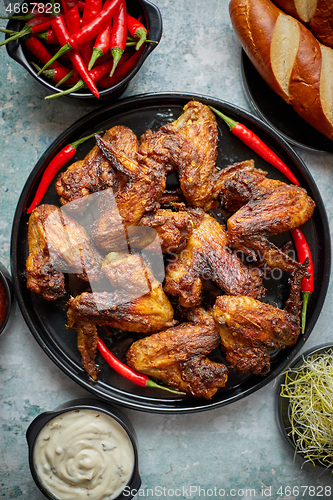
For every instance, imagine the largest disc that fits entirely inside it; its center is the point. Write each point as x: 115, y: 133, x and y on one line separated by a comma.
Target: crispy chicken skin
x: 249, y: 329
x: 149, y: 312
x: 173, y: 228
x: 263, y: 207
x: 57, y: 245
x: 189, y: 145
x: 178, y: 356
x: 206, y: 256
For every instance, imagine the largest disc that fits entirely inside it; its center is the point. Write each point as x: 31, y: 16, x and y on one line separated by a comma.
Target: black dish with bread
x: 289, y: 58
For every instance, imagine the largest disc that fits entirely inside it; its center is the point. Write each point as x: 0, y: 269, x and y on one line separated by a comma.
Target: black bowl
x: 282, y: 403
x: 6, y: 283
x: 88, y: 404
x: 153, y: 22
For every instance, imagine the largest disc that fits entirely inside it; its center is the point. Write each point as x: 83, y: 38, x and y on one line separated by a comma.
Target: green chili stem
x: 305, y: 297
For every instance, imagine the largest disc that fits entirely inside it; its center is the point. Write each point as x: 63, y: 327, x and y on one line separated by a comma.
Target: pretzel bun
x: 317, y: 14
x: 289, y: 58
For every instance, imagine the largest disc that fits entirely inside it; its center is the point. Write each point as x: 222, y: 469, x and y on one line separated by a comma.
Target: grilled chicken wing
x: 137, y: 304
x: 57, y: 245
x: 263, y: 207
x: 189, y: 145
x: 95, y: 172
x: 206, y: 256
x: 250, y: 329
x: 178, y: 356
x: 136, y: 194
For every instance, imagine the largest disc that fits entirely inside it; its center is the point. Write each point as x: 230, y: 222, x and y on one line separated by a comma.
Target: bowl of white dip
x: 84, y: 449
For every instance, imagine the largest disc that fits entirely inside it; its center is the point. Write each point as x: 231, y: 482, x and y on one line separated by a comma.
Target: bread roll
x: 317, y: 14
x: 289, y: 58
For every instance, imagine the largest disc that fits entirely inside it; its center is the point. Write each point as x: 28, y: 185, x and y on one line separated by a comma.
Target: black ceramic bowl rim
x: 9, y: 293
x: 283, y: 403
x: 87, y: 404
x: 154, y: 23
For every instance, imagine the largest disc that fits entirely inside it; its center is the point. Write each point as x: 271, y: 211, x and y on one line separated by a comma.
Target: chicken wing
x: 136, y: 195
x: 263, y: 207
x: 249, y: 329
x: 206, y: 256
x: 189, y: 145
x: 95, y: 172
x: 137, y: 304
x: 178, y: 356
x: 58, y: 245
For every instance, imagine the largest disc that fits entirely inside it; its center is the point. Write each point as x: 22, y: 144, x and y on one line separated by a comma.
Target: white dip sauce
x: 83, y: 454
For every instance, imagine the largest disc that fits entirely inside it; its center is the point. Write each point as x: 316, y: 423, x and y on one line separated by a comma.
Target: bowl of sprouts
x: 305, y: 406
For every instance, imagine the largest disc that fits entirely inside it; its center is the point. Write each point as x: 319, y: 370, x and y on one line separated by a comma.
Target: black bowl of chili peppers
x: 6, y: 297
x: 85, y: 49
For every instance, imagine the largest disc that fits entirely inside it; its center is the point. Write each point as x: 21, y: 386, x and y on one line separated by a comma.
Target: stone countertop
x: 234, y: 451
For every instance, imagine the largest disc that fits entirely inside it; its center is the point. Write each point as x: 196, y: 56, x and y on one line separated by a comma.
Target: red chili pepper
x: 37, y: 49
x: 92, y: 9
x: 127, y: 372
x: 68, y: 5
x: 118, y: 35
x: 101, y: 45
x: 88, y: 32
x: 137, y: 29
x: 57, y: 74
x: 254, y: 142
x: 81, y: 5
x: 95, y: 74
x: 60, y: 160
x: 35, y: 25
x: 60, y: 75
x: 49, y: 37
x: 72, y: 19
x: 122, y: 70
x: 61, y: 32
x: 303, y: 253
x: 67, y: 78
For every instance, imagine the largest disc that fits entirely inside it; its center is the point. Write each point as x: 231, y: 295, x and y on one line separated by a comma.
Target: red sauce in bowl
x: 2, y: 302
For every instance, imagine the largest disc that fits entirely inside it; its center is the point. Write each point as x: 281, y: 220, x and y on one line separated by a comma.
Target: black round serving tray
x: 273, y: 110
x: 47, y: 320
